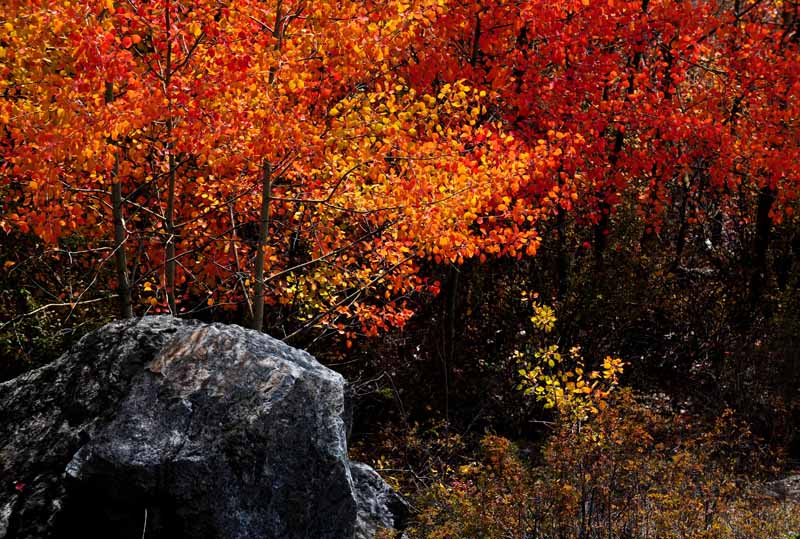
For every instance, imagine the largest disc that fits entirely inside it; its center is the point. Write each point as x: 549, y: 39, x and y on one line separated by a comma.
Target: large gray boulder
x: 161, y: 427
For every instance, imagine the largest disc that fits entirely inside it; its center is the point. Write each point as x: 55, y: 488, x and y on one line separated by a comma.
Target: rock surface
x: 378, y: 505
x: 161, y: 427
x: 786, y: 489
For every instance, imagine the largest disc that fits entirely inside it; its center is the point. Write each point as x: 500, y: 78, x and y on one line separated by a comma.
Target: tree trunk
x: 761, y: 244
x: 169, y: 269
x: 450, y: 335
x: 120, y: 257
x: 263, y: 237
x: 683, y: 227
x: 601, y: 229
x: 170, y: 244
x: 562, y: 257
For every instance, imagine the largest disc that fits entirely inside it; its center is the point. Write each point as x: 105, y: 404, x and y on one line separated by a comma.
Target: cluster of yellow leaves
x: 430, y: 167
x: 562, y: 382
x: 544, y: 317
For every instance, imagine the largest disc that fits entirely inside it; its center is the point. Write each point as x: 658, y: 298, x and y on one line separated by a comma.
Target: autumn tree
x: 152, y: 125
x: 396, y: 135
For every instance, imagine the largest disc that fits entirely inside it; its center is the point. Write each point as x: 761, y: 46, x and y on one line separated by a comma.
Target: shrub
x: 634, y: 470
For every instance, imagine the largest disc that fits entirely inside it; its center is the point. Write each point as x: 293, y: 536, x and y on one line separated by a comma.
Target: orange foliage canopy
x: 398, y: 131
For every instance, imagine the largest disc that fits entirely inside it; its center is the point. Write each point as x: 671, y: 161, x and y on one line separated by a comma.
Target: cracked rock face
x: 169, y: 428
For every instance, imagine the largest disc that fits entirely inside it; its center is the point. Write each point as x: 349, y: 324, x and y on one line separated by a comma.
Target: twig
x: 71, y: 305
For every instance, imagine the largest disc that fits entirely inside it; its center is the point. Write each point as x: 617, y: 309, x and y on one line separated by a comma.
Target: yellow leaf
x: 196, y: 29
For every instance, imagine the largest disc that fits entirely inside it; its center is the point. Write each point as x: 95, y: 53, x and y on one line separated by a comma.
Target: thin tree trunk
x: 450, y: 336
x: 263, y: 237
x: 601, y: 229
x: 170, y: 245
x: 266, y: 193
x: 680, y: 240
x: 766, y: 198
x: 120, y: 257
x: 562, y: 258
x: 169, y: 269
